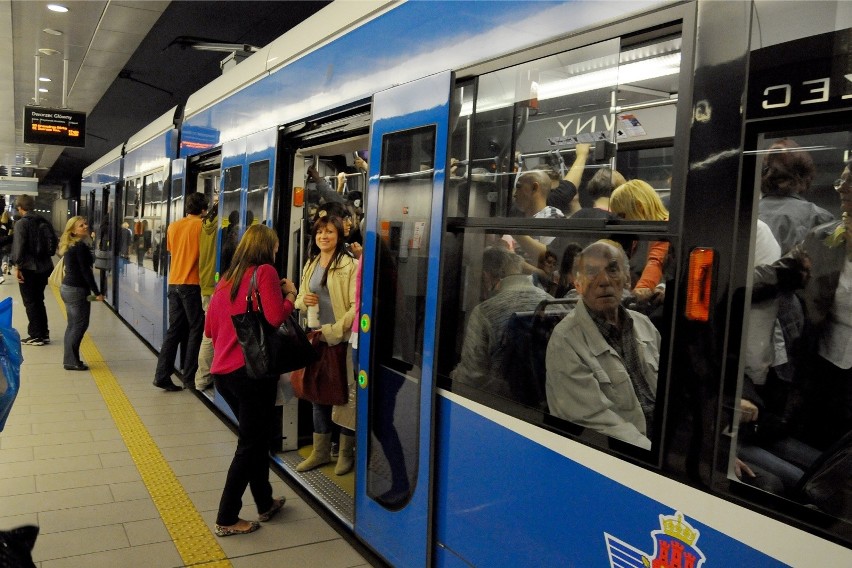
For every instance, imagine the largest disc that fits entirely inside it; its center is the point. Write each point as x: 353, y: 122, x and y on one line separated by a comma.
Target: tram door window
x: 258, y: 191
x: 790, y: 421
x: 528, y: 144
x: 176, y: 207
x: 404, y: 211
x: 230, y: 200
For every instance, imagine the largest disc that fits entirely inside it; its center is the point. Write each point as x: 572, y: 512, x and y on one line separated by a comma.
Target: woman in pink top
x: 251, y: 400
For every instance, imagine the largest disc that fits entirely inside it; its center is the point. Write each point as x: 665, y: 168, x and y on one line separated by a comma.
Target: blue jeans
x: 253, y: 403
x: 186, y: 322
x: 78, y: 309
x: 322, y: 418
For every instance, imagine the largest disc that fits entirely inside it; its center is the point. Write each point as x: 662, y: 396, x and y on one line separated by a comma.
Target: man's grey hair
x: 500, y: 262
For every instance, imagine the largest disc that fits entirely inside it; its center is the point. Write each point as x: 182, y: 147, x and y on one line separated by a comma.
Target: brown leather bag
x: 323, y: 382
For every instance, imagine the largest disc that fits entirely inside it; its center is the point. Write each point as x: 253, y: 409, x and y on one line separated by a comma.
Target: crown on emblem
x: 677, y: 528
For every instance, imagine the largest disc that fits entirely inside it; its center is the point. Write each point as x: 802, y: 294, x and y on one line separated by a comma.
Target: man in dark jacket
x: 32, y: 271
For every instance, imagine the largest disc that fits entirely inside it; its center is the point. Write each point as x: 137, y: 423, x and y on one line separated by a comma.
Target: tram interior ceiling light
x: 629, y: 73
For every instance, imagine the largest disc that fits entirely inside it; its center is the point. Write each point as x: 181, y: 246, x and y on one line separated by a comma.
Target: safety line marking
x: 193, y: 539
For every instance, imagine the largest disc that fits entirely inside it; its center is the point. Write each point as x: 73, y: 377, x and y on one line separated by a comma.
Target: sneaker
x: 45, y: 341
x: 33, y: 341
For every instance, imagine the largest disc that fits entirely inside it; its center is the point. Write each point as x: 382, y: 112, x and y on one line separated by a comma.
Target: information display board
x: 54, y: 127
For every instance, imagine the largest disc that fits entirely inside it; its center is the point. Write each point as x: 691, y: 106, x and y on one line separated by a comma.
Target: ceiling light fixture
x: 48, y: 51
x: 57, y: 8
x: 44, y: 79
x: 52, y: 31
x: 42, y: 90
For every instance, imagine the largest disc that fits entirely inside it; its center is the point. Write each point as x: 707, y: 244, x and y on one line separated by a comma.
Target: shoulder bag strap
x: 252, y: 290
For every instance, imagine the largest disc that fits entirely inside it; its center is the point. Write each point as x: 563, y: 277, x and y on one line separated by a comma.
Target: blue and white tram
x: 451, y: 102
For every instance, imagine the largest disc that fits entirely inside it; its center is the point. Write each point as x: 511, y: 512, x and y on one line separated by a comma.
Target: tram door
x: 247, y: 174
x: 399, y: 303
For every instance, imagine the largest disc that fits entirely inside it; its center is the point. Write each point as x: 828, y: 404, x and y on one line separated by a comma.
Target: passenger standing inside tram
x: 787, y: 172
x: 252, y: 400
x: 186, y: 318
x: 76, y: 285
x: 636, y: 200
x: 828, y: 322
x: 328, y: 283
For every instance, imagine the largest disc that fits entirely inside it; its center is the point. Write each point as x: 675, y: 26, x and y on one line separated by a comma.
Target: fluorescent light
x: 57, y: 8
x: 623, y: 74
x: 51, y: 31
x: 44, y: 79
x: 42, y: 90
x: 48, y: 51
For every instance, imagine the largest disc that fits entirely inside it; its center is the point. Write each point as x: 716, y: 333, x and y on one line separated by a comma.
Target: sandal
x: 273, y: 510
x: 232, y: 530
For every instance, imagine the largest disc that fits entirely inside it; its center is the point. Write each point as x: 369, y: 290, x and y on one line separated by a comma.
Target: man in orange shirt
x: 186, y: 318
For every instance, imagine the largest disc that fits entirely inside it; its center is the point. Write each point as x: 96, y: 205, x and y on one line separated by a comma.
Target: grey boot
x: 346, y: 459
x: 320, y: 455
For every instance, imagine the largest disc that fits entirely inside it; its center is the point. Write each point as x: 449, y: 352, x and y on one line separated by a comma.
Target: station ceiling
x: 128, y: 63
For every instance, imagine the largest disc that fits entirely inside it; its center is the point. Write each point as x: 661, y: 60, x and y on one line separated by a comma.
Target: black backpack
x: 46, y: 241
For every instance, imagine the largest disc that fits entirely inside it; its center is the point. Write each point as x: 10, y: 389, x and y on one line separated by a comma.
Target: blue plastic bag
x: 10, y: 370
x: 6, y: 312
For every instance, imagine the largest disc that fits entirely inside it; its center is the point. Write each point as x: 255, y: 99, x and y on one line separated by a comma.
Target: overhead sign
x: 54, y: 127
x: 18, y: 185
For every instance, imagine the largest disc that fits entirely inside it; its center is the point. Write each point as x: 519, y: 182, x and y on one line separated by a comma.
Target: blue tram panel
x: 506, y: 500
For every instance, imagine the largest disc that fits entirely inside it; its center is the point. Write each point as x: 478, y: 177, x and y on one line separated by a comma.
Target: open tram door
x: 399, y: 306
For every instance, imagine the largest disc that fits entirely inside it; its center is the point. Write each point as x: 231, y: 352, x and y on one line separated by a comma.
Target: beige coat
x: 341, y: 289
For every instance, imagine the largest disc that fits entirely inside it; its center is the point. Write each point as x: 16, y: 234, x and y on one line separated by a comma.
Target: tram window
x: 131, y: 197
x: 176, y: 199
x: 231, y: 195
x: 524, y: 135
x: 791, y: 416
x: 500, y: 328
x: 258, y: 190
x: 404, y: 210
x: 653, y: 165
x: 791, y: 419
x: 563, y: 115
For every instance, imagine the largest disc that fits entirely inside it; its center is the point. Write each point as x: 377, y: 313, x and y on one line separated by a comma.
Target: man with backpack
x: 33, y: 247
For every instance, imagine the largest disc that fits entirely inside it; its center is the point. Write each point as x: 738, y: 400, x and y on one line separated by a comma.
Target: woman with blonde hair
x: 252, y: 400
x: 636, y: 200
x: 76, y: 285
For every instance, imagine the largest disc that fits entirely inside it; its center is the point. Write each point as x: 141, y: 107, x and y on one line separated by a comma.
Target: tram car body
x: 451, y: 102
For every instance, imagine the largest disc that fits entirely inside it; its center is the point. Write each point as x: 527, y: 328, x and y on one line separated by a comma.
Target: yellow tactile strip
x: 193, y: 539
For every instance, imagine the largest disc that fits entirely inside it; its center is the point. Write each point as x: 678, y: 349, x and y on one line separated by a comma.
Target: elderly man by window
x: 602, y: 359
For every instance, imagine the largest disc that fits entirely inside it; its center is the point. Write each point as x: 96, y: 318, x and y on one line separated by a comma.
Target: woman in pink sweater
x: 251, y: 400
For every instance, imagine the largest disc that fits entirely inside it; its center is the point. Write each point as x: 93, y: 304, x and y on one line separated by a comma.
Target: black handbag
x: 270, y: 351
x: 16, y: 546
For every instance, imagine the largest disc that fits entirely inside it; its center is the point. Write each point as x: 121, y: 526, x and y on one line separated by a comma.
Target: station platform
x: 116, y: 472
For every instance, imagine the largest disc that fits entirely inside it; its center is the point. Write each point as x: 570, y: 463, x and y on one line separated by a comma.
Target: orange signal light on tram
x: 699, y: 284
